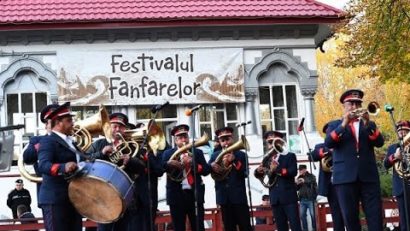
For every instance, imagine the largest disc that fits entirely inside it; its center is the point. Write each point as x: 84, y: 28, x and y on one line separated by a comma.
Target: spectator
x: 23, y: 213
x: 18, y: 196
x: 265, y: 206
x: 307, y: 187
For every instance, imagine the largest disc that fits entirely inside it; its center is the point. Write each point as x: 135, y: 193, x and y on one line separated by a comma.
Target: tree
x: 379, y: 35
x: 334, y: 80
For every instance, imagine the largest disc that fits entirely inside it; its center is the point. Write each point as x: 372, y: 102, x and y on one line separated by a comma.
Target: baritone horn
x: 269, y: 178
x: 242, y: 143
x: 98, y: 124
x: 156, y: 138
x: 177, y: 175
x: 402, y: 167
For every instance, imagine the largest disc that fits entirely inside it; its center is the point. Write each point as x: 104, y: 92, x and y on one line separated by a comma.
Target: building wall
x: 269, y: 59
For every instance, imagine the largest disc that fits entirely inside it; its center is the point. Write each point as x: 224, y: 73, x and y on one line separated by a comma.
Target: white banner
x: 137, y: 77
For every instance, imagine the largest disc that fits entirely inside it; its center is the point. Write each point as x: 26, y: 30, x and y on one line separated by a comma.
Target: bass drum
x: 100, y: 191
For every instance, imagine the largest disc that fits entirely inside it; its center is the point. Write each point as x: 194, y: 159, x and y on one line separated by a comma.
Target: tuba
x: 24, y: 173
x: 240, y: 144
x: 269, y: 178
x: 177, y: 175
x: 98, y: 124
x: 403, y: 167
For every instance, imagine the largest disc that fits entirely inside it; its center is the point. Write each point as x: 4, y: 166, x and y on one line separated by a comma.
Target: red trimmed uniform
x: 355, y: 173
x: 59, y: 214
x: 283, y: 195
x: 398, y: 191
x: 181, y: 200
x: 231, y: 194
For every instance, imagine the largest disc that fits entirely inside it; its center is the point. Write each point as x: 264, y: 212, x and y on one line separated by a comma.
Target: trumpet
x: 373, y: 108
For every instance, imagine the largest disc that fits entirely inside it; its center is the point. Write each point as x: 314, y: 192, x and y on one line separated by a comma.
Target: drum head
x: 96, y: 199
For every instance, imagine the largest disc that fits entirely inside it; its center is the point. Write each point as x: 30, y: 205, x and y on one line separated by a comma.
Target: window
x: 213, y: 117
x: 279, y: 111
x: 25, y: 108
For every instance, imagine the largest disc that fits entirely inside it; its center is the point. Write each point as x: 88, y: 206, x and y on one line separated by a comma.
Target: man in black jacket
x: 307, y: 187
x: 18, y: 196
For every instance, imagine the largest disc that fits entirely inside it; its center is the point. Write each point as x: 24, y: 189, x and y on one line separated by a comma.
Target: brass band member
x: 393, y: 156
x: 58, y: 156
x: 135, y: 217
x: 231, y: 191
x: 181, y: 194
x: 355, y: 174
x: 283, y: 196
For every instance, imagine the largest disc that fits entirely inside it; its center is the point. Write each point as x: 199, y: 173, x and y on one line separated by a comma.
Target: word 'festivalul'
x: 151, y: 88
x: 144, y: 62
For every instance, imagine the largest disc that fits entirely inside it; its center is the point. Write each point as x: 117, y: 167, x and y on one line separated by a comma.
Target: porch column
x: 308, y: 97
x: 250, y: 96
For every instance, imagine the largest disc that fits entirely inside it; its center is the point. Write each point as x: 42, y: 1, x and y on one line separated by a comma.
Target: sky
x: 335, y: 3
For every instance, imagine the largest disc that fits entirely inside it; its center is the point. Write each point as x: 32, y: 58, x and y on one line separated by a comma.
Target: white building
x: 241, y: 60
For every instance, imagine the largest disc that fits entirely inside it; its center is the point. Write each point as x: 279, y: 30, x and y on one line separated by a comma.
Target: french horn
x: 242, y: 143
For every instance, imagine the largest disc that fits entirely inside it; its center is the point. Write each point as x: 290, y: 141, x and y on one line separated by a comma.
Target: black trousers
x: 287, y: 213
x: 236, y: 215
x: 338, y: 224
x: 61, y: 218
x: 351, y: 194
x: 180, y: 211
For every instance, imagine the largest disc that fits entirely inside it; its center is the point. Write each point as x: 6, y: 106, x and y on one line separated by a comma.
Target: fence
x: 213, y: 218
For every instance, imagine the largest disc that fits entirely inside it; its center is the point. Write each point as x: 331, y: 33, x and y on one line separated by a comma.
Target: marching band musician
x: 325, y: 185
x: 283, y: 194
x: 355, y: 174
x: 181, y: 195
x: 135, y: 215
x: 58, y: 156
x: 145, y: 193
x: 30, y: 155
x: 392, y: 156
x: 231, y: 191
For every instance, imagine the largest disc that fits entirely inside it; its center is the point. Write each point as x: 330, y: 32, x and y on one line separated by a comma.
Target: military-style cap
x: 179, y: 130
x: 302, y: 166
x: 225, y: 131
x: 119, y: 118
x: 47, y: 110
x: 324, y: 129
x: 131, y: 126
x: 403, y: 125
x: 19, y: 181
x: 61, y: 111
x: 352, y: 95
x: 270, y: 135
